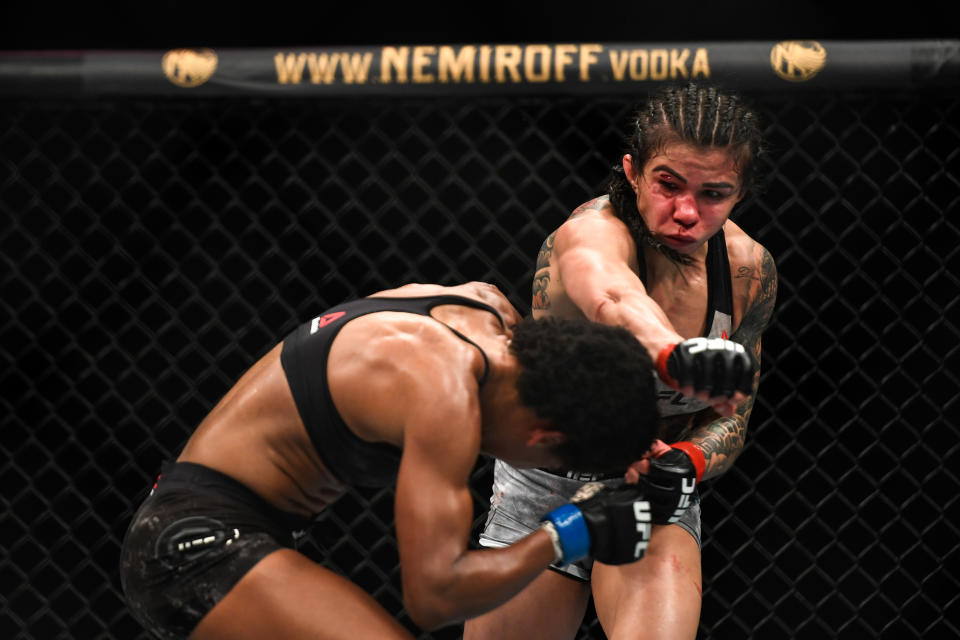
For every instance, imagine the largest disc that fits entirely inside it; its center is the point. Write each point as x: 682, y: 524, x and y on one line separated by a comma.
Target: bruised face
x: 685, y: 193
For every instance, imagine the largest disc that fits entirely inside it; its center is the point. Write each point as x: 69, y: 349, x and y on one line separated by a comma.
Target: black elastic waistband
x: 204, y: 480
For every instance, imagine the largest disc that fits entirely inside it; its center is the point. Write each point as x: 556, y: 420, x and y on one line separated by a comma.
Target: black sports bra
x: 352, y: 460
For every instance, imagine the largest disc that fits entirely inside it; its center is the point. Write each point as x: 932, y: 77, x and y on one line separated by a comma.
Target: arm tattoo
x: 760, y: 309
x: 541, y: 279
x: 594, y: 205
x: 722, y: 439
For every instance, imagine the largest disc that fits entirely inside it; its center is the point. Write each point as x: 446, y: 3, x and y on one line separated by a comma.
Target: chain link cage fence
x: 152, y: 249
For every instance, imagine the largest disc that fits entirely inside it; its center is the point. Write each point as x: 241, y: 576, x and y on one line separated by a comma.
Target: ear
x: 628, y: 170
x: 545, y: 438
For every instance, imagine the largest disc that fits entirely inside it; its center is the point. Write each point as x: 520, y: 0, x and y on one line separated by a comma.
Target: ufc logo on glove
x: 641, y: 513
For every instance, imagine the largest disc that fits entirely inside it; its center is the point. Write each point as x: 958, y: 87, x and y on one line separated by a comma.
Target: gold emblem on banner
x: 189, y: 67
x: 798, y: 60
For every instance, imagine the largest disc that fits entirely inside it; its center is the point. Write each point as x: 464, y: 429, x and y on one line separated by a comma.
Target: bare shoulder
x: 599, y: 206
x: 754, y: 274
x: 484, y: 292
x: 742, y: 249
x: 491, y: 295
x: 593, y: 223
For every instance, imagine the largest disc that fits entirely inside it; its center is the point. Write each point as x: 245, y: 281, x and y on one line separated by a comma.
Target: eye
x: 716, y: 196
x: 669, y: 186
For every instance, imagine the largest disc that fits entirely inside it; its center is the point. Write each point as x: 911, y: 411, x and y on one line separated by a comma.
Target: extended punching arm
x: 716, y: 366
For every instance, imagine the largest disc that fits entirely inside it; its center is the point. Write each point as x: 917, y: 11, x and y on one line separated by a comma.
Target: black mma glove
x: 671, y: 480
x: 610, y: 524
x: 715, y: 365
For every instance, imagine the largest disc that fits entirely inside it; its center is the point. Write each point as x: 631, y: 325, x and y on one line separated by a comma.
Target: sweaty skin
x: 407, y: 380
x: 588, y: 268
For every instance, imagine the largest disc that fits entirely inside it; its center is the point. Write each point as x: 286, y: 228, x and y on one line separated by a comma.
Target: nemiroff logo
x: 798, y: 60
x: 189, y: 67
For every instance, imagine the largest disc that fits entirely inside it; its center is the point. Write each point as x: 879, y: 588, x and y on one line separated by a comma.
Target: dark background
x: 137, y: 25
x: 152, y: 249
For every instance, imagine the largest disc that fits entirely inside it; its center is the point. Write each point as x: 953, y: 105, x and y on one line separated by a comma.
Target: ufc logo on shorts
x: 641, y: 513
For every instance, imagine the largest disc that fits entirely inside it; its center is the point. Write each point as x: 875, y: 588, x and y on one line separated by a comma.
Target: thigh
x: 287, y: 595
x: 520, y: 498
x: 184, y: 552
x: 657, y: 597
x: 549, y: 608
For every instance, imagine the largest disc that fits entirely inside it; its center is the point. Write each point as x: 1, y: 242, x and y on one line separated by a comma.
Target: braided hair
x: 697, y: 114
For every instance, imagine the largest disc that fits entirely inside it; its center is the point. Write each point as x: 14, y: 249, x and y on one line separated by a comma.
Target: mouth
x: 679, y: 240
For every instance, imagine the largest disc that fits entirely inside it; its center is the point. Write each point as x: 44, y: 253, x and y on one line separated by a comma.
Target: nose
x: 685, y: 211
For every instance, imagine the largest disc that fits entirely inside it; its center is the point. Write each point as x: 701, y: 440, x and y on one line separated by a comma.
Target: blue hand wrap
x: 572, y: 529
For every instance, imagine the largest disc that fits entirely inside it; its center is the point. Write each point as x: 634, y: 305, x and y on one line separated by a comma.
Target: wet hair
x: 698, y: 114
x: 594, y: 383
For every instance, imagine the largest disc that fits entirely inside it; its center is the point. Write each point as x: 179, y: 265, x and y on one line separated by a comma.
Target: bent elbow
x: 429, y: 613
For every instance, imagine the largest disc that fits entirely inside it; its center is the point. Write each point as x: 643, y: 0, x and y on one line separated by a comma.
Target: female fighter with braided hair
x: 659, y: 256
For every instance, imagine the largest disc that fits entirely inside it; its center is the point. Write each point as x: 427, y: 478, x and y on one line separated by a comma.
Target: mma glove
x: 718, y: 366
x: 671, y: 481
x: 611, y: 524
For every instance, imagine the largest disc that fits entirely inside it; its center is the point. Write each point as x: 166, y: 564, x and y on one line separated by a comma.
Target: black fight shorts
x: 197, y: 533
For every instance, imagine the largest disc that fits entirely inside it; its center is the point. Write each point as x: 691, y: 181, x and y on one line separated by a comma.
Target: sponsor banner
x: 399, y: 70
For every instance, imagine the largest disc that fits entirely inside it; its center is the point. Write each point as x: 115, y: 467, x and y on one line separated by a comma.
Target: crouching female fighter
x: 407, y: 386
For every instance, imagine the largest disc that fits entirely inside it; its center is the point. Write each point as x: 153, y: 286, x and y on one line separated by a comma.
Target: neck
x: 661, y: 265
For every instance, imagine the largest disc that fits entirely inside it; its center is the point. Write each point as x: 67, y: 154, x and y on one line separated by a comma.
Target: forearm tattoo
x: 541, y: 278
x: 722, y: 439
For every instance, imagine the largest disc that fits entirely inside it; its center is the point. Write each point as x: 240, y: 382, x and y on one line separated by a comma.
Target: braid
x: 701, y: 115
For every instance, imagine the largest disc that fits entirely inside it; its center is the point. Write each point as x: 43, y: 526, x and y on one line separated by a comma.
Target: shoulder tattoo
x: 763, y: 296
x: 541, y: 278
x: 593, y: 205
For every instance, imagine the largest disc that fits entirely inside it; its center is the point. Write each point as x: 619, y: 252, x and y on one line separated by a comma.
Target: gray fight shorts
x: 522, y: 496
